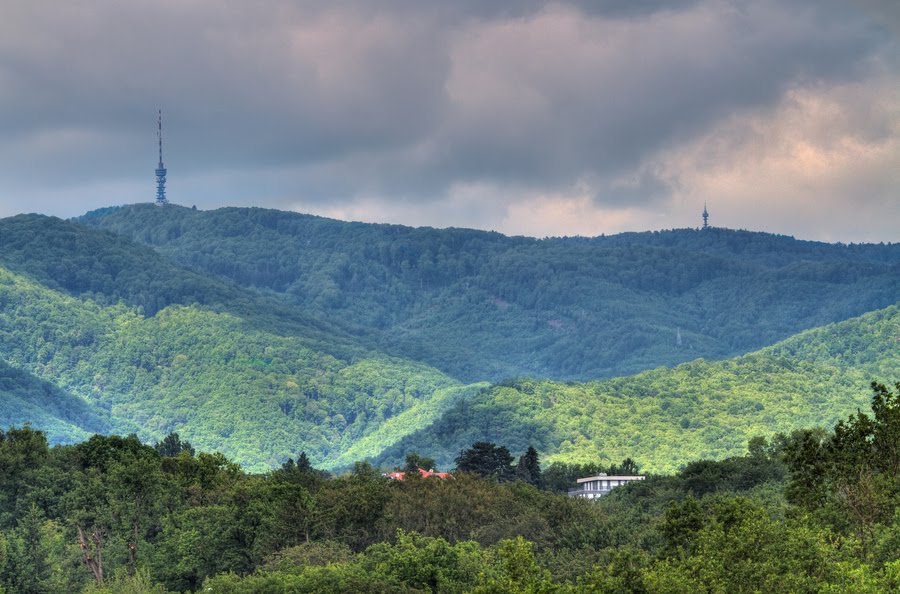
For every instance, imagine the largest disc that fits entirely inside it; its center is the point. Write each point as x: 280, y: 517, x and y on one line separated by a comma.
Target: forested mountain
x: 101, y: 333
x: 483, y: 306
x: 132, y: 342
x: 667, y: 417
x: 222, y: 383
x: 109, y: 269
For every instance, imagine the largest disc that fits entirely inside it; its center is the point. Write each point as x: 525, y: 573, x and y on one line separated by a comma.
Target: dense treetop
x: 811, y: 511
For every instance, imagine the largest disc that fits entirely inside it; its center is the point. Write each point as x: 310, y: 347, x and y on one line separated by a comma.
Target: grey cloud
x: 321, y: 102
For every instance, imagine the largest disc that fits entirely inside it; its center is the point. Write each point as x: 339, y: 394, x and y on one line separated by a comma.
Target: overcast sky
x: 565, y: 118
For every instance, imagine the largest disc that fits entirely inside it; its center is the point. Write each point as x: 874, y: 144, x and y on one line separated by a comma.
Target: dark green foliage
x: 482, y: 306
x: 172, y: 445
x: 414, y: 462
x: 200, y: 524
x: 26, y: 569
x: 851, y: 477
x: 529, y: 467
x: 486, y: 460
x: 66, y: 418
x: 22, y: 451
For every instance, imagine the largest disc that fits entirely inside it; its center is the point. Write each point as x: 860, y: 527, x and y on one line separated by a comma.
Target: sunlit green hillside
x: 255, y: 395
x: 666, y: 417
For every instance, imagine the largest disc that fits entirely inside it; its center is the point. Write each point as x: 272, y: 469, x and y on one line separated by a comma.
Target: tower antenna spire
x: 705, y: 217
x: 160, y: 168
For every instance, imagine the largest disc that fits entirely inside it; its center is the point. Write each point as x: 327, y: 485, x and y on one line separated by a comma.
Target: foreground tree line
x: 813, y: 511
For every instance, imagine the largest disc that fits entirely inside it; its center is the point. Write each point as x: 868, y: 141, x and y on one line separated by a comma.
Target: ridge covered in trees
x: 222, y: 383
x: 261, y: 397
x: 481, y: 306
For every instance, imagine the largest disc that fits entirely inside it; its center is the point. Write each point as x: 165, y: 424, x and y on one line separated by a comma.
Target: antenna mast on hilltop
x: 705, y: 214
x: 160, y: 169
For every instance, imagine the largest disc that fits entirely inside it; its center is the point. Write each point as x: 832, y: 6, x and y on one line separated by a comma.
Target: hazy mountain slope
x: 222, y: 383
x: 66, y: 418
x: 110, y: 269
x: 667, y: 417
x: 480, y: 305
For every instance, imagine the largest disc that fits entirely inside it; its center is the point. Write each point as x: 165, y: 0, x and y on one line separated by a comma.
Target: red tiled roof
x: 398, y: 476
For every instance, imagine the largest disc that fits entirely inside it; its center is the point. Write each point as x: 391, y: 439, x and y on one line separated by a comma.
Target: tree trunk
x: 92, y: 555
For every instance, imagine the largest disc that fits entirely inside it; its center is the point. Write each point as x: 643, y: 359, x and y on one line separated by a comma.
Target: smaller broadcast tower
x: 160, y: 169
x: 705, y: 214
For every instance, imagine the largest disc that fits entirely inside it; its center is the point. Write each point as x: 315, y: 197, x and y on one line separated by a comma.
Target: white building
x: 592, y: 487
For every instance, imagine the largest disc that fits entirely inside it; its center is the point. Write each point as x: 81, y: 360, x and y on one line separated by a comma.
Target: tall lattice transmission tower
x: 705, y: 213
x: 160, y: 169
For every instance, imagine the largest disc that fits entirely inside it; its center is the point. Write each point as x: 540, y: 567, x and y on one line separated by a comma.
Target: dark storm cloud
x: 282, y: 102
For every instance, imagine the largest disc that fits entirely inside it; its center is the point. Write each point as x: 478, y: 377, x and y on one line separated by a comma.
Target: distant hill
x: 483, y: 306
x: 227, y: 368
x: 293, y: 333
x: 109, y: 269
x: 667, y: 417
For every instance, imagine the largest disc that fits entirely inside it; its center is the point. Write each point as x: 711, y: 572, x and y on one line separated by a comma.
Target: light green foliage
x: 123, y: 583
x: 512, y: 568
x: 737, y: 548
x: 666, y: 417
x: 295, y: 559
x: 256, y: 396
x: 425, y: 563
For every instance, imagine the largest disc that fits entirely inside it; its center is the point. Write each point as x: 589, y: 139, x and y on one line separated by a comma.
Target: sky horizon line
x: 469, y: 228
x: 532, y: 117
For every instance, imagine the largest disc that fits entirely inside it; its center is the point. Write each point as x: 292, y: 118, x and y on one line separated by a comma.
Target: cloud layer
x: 525, y: 117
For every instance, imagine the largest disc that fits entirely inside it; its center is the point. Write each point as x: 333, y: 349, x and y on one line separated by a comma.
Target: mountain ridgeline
x: 482, y: 306
x: 99, y: 334
x: 264, y: 334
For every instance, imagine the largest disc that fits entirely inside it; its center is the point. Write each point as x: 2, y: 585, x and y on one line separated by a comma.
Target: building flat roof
x: 603, y: 477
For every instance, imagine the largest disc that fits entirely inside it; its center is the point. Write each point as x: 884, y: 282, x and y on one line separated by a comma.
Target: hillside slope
x: 64, y: 417
x: 109, y: 269
x: 483, y: 306
x: 220, y: 380
x: 666, y: 417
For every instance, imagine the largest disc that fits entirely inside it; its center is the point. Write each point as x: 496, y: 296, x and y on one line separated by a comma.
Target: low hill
x: 667, y: 417
x: 483, y: 306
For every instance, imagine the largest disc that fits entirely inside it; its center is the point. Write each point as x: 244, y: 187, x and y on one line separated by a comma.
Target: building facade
x: 592, y: 487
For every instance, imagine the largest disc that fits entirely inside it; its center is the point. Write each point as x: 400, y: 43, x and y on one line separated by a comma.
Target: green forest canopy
x: 151, y: 347
x: 807, y: 512
x: 481, y: 306
x: 666, y: 417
